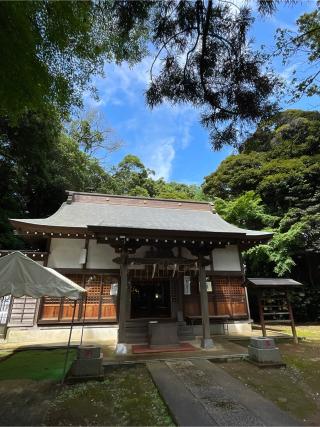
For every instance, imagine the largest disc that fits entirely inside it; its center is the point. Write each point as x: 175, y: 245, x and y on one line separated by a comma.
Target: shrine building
x: 139, y: 259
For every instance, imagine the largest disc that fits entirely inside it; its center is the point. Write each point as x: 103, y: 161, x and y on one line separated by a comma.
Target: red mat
x: 184, y: 346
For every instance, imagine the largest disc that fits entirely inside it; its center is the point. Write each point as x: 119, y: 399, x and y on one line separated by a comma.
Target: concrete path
x: 199, y: 393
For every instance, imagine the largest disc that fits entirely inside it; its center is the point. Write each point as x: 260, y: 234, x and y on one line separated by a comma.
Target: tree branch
x: 165, y: 44
x: 205, y: 33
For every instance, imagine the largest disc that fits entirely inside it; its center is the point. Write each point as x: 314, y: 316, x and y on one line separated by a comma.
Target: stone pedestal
x: 163, y: 334
x: 88, y: 363
x: 263, y: 350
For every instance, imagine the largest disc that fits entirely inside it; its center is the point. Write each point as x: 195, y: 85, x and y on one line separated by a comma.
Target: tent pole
x: 84, y: 317
x: 69, y: 341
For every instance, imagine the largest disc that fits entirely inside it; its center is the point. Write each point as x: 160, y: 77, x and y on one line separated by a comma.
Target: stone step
x: 137, y: 331
x: 185, y: 329
x: 186, y: 337
x: 186, y: 332
x: 145, y: 322
x: 134, y: 331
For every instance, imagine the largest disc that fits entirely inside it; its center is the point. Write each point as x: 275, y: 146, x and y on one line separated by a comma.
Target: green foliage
x: 235, y: 175
x: 245, y: 211
x: 38, y: 162
x: 130, y: 176
x: 50, y: 49
x: 274, y: 182
x: 175, y: 190
x: 279, y: 253
x: 280, y: 161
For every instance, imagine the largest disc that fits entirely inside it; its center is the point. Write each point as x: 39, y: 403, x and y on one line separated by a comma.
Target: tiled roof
x: 173, y: 216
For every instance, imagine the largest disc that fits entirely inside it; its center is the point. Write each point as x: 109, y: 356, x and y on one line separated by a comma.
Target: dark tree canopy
x: 274, y: 183
x: 204, y: 57
x: 280, y: 161
x: 50, y: 50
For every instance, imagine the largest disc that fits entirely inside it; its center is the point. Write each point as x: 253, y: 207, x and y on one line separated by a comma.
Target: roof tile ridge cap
x: 150, y: 207
x: 124, y: 196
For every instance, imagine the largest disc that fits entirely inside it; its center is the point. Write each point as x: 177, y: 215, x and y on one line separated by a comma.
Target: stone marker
x: 163, y: 334
x: 263, y: 350
x: 88, y: 362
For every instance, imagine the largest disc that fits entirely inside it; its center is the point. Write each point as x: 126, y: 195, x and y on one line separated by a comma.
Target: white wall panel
x: 226, y: 259
x: 101, y: 256
x: 65, y: 253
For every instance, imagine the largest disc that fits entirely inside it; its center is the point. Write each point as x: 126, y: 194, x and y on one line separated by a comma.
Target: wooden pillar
x: 261, y: 315
x: 129, y: 300
x: 121, y: 346
x: 179, y: 284
x: 206, y: 341
x: 293, y: 326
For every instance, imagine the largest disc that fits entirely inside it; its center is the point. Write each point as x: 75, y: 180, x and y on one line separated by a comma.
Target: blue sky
x: 169, y: 139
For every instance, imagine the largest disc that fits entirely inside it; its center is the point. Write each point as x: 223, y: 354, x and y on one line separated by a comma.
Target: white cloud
x: 153, y: 135
x: 122, y: 81
x: 162, y: 158
x: 288, y: 72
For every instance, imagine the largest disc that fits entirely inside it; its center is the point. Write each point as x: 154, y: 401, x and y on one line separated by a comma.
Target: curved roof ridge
x: 127, y: 196
x: 112, y: 216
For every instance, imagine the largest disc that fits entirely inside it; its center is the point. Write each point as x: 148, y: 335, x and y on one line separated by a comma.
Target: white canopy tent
x: 21, y: 276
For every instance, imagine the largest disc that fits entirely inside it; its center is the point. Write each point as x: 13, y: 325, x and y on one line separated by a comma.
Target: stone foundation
x: 240, y: 327
x: 60, y: 334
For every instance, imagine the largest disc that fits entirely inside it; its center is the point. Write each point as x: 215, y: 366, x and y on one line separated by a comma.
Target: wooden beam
x: 261, y: 315
x: 293, y: 326
x: 161, y: 261
x: 123, y: 297
x: 206, y: 341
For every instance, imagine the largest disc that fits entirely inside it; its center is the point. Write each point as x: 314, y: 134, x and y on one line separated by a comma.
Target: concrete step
x: 134, y: 336
x: 137, y: 329
x: 136, y: 340
x: 185, y: 333
x: 186, y: 337
x: 135, y: 333
x: 185, y: 328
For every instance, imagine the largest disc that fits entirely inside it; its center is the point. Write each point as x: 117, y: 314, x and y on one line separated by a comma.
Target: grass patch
x: 126, y: 397
x: 305, y: 362
x: 35, y: 365
x: 296, y: 388
x: 275, y: 385
x: 310, y: 332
